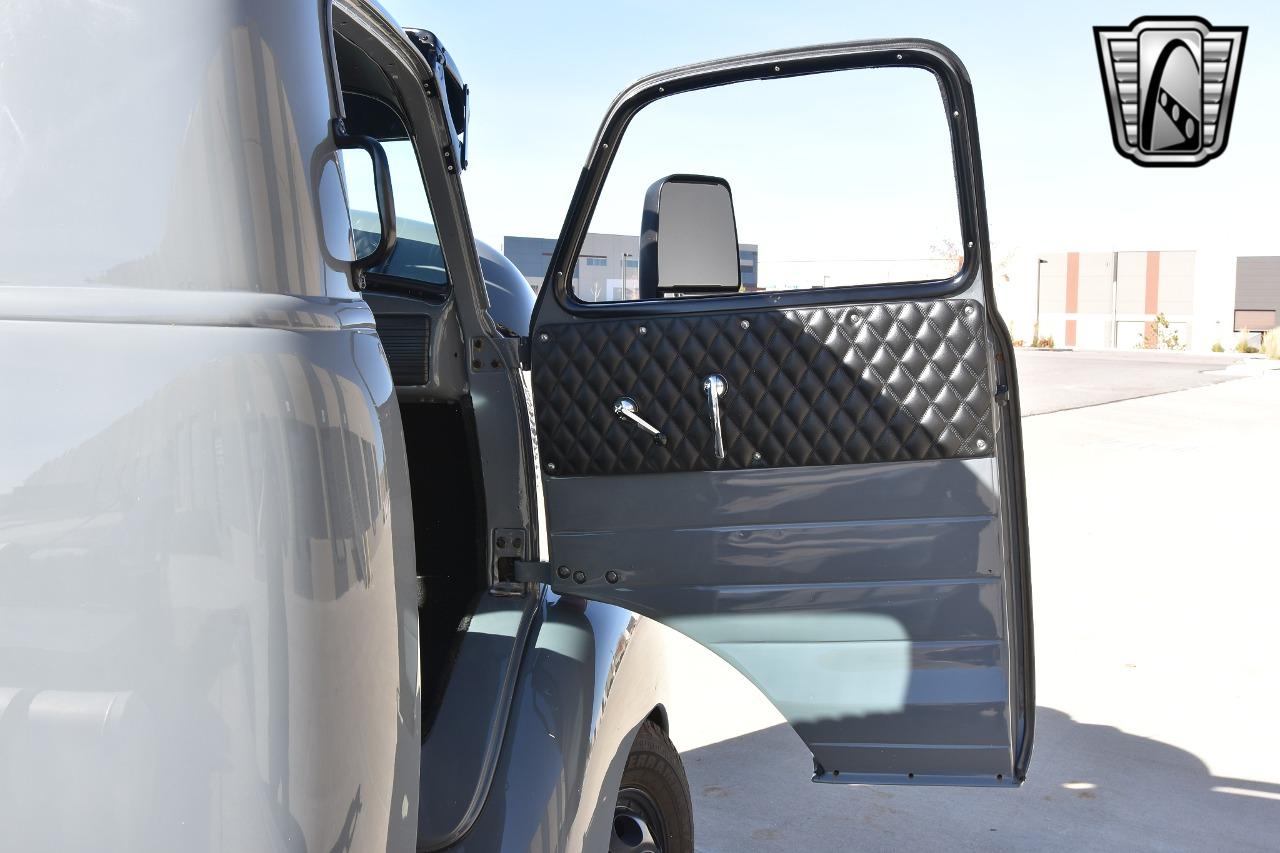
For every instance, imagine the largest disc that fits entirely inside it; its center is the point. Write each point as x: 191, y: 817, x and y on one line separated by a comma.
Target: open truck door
x: 823, y: 486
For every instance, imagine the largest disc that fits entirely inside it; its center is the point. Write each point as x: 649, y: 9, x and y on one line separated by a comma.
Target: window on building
x: 1255, y: 320
x: 595, y: 262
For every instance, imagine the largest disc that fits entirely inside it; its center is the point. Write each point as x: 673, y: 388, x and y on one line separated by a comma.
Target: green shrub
x: 1217, y: 346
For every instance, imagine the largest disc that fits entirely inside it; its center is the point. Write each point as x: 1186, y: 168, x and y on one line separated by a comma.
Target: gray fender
x: 592, y: 674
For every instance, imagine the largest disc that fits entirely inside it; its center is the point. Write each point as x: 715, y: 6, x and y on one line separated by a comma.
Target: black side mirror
x: 688, y: 238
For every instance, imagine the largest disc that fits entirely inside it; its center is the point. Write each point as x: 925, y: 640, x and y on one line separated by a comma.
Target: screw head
x: 855, y: 318
x: 968, y: 309
x: 644, y: 330
x: 517, y: 542
x: 501, y: 542
x: 563, y: 572
x: 579, y: 576
x: 981, y: 444
x: 544, y: 337
x: 551, y: 467
x: 756, y: 457
x: 746, y: 324
x: 611, y: 576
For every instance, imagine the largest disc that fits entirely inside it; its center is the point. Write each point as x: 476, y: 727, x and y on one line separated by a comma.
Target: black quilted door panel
x: 814, y: 386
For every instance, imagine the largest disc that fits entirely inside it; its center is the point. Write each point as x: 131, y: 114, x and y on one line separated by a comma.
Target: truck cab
x: 321, y: 529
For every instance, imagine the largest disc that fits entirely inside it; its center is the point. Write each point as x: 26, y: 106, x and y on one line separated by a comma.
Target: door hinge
x: 532, y: 571
x: 560, y: 578
x: 509, y: 547
x: 494, y: 353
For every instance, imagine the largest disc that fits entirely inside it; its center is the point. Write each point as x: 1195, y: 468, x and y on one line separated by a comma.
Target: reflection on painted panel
x: 202, y: 592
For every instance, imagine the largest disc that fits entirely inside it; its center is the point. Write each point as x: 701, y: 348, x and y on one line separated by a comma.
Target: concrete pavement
x: 1154, y: 541
x: 1053, y: 381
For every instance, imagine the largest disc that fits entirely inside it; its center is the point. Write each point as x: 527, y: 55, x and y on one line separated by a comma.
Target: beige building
x: 1111, y: 299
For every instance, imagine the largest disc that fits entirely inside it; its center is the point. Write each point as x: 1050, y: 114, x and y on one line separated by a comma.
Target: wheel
x: 654, y: 813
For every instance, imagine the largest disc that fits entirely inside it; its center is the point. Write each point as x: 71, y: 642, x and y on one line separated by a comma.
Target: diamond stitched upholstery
x: 813, y: 386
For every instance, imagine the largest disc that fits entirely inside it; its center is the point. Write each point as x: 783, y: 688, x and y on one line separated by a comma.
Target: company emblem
x: 1170, y: 85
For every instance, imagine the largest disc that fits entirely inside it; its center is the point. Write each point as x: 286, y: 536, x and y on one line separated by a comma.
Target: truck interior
x: 410, y: 295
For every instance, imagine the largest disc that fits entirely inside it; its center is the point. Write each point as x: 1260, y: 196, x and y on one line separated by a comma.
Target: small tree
x: 947, y: 250
x: 1158, y: 335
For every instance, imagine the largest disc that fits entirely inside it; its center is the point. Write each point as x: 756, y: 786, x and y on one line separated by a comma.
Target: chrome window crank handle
x: 625, y: 409
x: 715, y: 387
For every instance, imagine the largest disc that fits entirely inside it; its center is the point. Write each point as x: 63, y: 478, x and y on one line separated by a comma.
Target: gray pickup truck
x: 318, y: 532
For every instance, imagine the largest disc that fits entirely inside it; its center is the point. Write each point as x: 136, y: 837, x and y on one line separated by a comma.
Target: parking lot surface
x: 1056, y: 381
x: 1154, y: 539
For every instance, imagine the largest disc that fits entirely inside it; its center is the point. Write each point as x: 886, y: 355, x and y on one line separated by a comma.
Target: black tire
x: 654, y: 810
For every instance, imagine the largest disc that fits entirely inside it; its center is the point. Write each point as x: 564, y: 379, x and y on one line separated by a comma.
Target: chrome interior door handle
x: 625, y: 409
x: 715, y: 386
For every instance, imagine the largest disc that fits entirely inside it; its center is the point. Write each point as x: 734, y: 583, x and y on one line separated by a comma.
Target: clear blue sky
x: 542, y: 74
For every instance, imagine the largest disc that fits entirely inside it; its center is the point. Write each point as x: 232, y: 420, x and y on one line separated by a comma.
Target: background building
x: 1257, y: 293
x: 1088, y: 300
x: 1110, y: 300
x: 608, y: 266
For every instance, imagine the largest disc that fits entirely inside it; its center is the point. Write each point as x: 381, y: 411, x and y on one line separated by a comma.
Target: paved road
x: 1054, y: 381
x: 1153, y: 532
